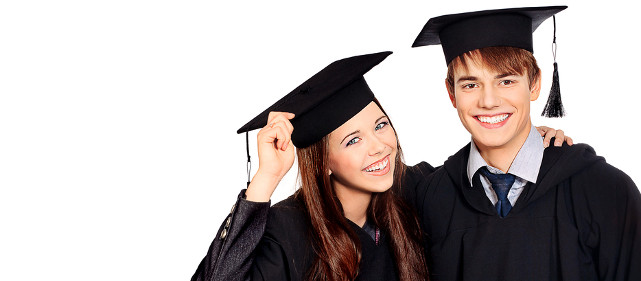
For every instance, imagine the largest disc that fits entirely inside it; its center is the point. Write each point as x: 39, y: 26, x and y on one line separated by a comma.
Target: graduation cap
x: 461, y: 33
x: 324, y: 102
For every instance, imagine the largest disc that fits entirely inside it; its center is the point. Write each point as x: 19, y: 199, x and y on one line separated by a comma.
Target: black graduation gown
x: 284, y: 251
x: 580, y: 221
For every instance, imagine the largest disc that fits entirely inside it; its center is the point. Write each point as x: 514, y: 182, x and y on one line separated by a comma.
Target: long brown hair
x: 337, y: 247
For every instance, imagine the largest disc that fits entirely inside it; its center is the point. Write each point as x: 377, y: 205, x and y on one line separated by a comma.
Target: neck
x: 355, y: 203
x: 501, y: 157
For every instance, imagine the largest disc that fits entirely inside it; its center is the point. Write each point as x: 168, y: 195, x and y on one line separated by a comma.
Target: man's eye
x: 469, y: 86
x: 507, y: 82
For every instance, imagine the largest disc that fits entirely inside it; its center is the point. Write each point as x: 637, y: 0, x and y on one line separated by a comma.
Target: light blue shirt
x: 525, y: 167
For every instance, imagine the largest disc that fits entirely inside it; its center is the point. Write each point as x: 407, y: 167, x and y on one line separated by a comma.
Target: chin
x: 489, y: 142
x: 489, y: 139
x: 383, y: 186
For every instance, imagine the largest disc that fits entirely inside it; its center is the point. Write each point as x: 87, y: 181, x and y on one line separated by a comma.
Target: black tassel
x: 554, y: 106
x: 249, y: 159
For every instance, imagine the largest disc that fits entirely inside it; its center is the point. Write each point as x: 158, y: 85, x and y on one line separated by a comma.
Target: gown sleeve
x: 230, y: 256
x: 615, y: 229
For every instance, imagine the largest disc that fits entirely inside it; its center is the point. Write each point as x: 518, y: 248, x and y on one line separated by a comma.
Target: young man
x: 503, y: 208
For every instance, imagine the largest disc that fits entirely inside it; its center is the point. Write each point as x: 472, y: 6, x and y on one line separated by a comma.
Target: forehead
x: 491, y: 61
x: 495, y: 60
x: 475, y: 70
x: 469, y: 66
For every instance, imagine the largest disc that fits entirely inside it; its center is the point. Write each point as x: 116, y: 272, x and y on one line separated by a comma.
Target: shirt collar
x: 526, y: 165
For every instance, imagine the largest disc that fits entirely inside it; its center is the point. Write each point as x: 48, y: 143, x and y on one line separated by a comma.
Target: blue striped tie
x: 501, y: 183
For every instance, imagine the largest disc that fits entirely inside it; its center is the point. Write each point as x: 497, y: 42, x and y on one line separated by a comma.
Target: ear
x: 450, y: 94
x: 536, y: 89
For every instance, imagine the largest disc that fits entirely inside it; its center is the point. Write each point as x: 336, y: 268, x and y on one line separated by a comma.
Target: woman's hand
x: 275, y: 156
x: 548, y: 133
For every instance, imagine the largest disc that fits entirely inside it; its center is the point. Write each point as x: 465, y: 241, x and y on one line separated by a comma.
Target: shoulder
x: 289, y: 232
x: 417, y: 172
x: 291, y: 206
x: 607, y: 179
x: 585, y: 161
x: 285, y: 249
x: 592, y: 172
x: 287, y: 218
x: 422, y: 167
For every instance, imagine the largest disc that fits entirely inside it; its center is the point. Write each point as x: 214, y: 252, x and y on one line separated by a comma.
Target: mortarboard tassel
x: 249, y: 161
x: 554, y: 106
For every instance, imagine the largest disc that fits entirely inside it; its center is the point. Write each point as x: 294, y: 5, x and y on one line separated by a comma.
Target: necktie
x: 501, y: 183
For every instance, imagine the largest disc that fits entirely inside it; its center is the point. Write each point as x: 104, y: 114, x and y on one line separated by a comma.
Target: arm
x: 618, y: 253
x: 606, y: 208
x: 230, y: 255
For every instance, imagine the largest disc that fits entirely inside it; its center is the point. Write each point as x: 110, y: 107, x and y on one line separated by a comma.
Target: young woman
x: 347, y: 221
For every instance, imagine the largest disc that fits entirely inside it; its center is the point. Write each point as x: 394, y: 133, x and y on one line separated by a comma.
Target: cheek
x: 465, y: 101
x: 461, y: 110
x: 342, y: 163
x: 390, y: 140
x: 462, y: 104
x: 522, y: 103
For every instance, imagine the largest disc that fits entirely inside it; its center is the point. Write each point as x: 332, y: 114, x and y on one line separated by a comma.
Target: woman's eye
x: 381, y: 125
x: 353, y: 141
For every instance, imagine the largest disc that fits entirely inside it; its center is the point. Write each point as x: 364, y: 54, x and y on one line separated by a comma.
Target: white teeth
x: 493, y: 119
x: 379, y: 166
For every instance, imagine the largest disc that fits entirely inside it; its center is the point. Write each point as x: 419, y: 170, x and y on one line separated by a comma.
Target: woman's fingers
x: 569, y: 140
x: 542, y: 129
x: 559, y: 138
x: 280, y: 129
x: 278, y: 134
x: 276, y: 117
x: 547, y: 133
x: 282, y: 136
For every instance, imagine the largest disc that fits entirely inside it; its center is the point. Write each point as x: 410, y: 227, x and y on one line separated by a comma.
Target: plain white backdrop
x: 119, y: 156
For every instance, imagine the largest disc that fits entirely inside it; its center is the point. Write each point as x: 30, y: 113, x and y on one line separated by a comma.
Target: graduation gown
x: 286, y: 253
x: 580, y: 221
x: 285, y: 250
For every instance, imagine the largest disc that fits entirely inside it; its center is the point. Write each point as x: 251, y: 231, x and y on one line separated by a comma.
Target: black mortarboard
x: 326, y: 100
x: 461, y: 33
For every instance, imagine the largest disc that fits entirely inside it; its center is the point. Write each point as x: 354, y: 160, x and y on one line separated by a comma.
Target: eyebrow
x: 352, y: 133
x: 466, y: 78
x: 358, y: 131
x: 474, y: 78
x: 503, y: 75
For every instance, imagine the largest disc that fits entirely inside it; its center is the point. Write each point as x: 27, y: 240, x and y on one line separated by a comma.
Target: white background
x: 119, y: 156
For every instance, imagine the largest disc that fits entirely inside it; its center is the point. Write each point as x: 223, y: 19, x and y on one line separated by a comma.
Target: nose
x: 489, y: 98
x: 377, y: 146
